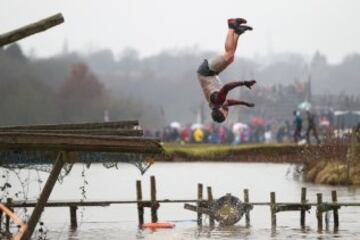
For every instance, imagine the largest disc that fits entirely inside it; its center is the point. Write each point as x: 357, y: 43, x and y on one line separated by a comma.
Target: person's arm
x: 233, y: 102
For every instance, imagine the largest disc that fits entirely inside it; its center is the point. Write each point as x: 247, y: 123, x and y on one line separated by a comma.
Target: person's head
x: 217, y: 115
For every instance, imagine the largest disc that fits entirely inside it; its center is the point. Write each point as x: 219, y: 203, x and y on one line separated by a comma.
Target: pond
x: 179, y: 181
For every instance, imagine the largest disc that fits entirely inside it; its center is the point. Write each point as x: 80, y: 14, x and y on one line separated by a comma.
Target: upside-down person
x: 215, y: 92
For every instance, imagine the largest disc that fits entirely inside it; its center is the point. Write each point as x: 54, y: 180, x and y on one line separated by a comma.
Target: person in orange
x: 215, y: 92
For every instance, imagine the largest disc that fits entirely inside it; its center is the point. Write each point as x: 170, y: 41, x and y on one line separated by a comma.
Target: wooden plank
x: 73, y: 217
x: 74, y: 142
x: 44, y: 196
x: 247, y: 213
x: 210, y: 199
x: 154, y: 203
x: 200, y: 197
x: 273, y: 209
x: 335, y: 211
x: 319, y: 212
x: 36, y: 27
x: 115, y: 132
x: 68, y: 126
x: 198, y: 209
x: 140, y: 205
x: 303, y: 210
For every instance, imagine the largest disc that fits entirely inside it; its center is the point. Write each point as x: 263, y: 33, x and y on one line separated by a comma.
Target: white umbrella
x: 305, y: 106
x: 175, y: 125
x: 237, y: 126
x: 196, y: 125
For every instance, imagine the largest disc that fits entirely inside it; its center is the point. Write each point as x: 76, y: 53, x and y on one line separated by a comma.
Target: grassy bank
x: 324, y: 164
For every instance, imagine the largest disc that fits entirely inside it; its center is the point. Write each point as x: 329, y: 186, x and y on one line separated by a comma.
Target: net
x: 42, y: 160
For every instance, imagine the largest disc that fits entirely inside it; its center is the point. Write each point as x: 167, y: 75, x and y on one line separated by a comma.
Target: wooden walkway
x: 202, y: 204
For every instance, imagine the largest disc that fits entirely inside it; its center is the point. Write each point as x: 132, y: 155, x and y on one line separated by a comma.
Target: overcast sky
x: 150, y: 26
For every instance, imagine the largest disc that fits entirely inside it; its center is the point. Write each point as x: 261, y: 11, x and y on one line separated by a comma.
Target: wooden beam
x: 115, y: 132
x: 78, y: 142
x: 68, y: 126
x: 44, y: 196
x: 31, y: 29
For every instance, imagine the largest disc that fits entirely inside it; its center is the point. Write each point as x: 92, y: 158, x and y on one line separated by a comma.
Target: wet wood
x: 319, y: 212
x: 247, y: 213
x: 31, y: 29
x: 200, y: 198
x: 77, y: 142
x: 140, y: 206
x: 115, y: 132
x: 44, y: 196
x: 335, y: 211
x: 154, y: 204
x: 273, y: 209
x: 7, y: 218
x: 303, y: 210
x: 68, y: 126
x: 73, y: 217
x: 210, y: 199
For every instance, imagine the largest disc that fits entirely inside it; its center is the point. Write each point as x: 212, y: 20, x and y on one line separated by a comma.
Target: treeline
x: 156, y: 90
x: 59, y: 89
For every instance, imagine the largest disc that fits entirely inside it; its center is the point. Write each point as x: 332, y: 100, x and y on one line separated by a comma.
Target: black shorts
x: 204, y: 69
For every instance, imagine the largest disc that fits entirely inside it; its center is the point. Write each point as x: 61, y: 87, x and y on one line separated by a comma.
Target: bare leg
x: 233, y: 102
x: 221, y: 96
x: 230, y: 45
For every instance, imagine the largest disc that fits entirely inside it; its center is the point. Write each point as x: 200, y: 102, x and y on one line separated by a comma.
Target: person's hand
x: 249, y: 84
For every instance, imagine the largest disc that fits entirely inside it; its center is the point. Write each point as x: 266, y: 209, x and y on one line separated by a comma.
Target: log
x: 154, y: 203
x: 31, y: 29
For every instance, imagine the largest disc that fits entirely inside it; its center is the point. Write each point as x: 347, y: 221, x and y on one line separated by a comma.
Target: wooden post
x: 44, y: 196
x: 7, y: 218
x: 140, y: 206
x: 154, y: 204
x: 247, y: 214
x: 1, y: 219
x: 30, y: 29
x: 273, y: 209
x: 210, y: 199
x: 319, y: 213
x: 200, y: 198
x: 336, y: 213
x: 303, y: 211
x: 73, y: 218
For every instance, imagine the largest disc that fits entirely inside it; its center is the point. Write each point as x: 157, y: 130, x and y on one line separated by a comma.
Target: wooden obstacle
x: 23, y: 32
x: 66, y: 140
x: 201, y: 206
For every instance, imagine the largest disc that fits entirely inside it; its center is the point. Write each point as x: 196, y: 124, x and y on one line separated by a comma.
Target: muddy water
x: 179, y: 181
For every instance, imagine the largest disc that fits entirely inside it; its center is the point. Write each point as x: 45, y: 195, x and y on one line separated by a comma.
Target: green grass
x: 203, y: 150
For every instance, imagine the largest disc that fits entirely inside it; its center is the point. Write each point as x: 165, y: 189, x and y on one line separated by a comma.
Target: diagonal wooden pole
x: 30, y: 29
x: 44, y: 196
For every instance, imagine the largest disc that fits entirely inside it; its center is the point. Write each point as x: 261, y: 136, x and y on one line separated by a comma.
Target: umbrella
x: 305, y: 106
x: 196, y: 125
x: 237, y: 126
x: 175, y: 125
x: 258, y: 121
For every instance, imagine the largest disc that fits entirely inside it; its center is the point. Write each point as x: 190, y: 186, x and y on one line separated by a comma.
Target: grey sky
x: 330, y: 26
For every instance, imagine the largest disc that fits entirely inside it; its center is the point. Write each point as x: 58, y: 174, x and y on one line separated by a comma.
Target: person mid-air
x: 215, y: 92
